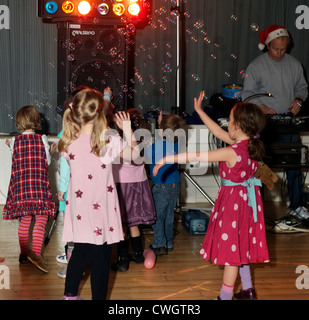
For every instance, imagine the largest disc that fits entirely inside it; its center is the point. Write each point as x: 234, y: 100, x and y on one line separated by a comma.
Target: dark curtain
x: 219, y: 39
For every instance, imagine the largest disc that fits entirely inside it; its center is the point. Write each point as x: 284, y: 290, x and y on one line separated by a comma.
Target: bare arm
x: 216, y: 130
x: 224, y: 154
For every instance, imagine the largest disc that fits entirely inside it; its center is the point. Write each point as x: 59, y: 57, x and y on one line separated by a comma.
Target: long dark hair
x: 252, y: 121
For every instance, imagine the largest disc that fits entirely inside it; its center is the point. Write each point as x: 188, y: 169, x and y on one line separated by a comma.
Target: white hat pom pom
x: 261, y: 46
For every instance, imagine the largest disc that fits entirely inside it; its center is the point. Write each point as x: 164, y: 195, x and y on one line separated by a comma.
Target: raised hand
x: 120, y: 118
x: 198, y: 102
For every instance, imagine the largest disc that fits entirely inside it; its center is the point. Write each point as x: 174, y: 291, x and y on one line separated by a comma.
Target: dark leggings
x: 99, y: 258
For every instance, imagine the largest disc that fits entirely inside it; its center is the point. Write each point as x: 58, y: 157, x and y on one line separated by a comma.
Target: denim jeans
x: 165, y: 198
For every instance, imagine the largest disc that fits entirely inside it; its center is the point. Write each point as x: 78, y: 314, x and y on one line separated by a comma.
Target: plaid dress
x: 29, y: 190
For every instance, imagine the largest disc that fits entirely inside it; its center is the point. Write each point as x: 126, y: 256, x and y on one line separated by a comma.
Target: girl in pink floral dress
x: 236, y: 231
x: 92, y: 216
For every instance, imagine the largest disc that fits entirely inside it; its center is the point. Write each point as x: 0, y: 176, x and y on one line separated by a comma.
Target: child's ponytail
x: 86, y: 106
x: 256, y: 148
x: 99, y: 127
x: 252, y: 122
x: 70, y: 130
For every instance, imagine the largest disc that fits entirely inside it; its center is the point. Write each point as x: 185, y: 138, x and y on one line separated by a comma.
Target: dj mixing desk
x: 288, y: 154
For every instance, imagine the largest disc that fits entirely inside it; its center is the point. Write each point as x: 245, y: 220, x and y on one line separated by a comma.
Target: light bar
x: 107, y: 12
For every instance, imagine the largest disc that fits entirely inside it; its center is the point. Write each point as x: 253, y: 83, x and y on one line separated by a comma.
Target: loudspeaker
x: 96, y: 56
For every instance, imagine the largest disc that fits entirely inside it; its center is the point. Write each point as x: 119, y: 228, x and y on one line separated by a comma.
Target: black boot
x: 137, y: 250
x: 123, y: 261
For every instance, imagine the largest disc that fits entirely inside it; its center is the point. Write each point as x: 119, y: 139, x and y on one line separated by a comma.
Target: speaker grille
x: 92, y: 56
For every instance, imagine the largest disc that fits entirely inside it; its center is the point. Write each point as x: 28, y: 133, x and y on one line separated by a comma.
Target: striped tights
x: 37, y: 234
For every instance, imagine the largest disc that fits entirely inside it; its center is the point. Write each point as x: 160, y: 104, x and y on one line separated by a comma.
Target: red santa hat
x: 272, y: 32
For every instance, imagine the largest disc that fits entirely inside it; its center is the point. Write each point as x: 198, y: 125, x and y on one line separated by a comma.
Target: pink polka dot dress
x: 233, y: 237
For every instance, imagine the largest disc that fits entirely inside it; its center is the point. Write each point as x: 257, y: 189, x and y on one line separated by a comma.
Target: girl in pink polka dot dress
x: 236, y: 232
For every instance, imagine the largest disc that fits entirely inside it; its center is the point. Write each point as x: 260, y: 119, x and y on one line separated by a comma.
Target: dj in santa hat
x: 278, y: 73
x: 271, y: 33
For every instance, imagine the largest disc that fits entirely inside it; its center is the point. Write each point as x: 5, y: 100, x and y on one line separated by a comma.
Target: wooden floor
x: 180, y: 275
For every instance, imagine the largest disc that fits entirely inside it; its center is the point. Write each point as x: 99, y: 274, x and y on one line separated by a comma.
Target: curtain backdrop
x: 220, y: 39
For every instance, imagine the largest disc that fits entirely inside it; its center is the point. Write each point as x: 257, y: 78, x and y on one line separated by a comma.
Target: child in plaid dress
x: 29, y: 195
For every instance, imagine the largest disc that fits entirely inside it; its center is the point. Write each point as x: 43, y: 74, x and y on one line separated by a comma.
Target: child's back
x: 93, y: 196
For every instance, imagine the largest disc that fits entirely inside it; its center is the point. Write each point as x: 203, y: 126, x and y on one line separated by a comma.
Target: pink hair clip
x: 71, y: 105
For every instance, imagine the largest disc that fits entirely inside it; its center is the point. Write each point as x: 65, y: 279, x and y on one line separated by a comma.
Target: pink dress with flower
x: 92, y: 212
x: 233, y: 237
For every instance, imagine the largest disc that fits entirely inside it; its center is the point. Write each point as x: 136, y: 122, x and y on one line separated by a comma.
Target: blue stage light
x: 51, y: 7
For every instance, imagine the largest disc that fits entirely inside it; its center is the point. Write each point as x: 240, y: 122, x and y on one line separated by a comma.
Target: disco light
x: 103, y: 9
x: 84, y: 7
x: 134, y: 9
x: 119, y: 9
x: 68, y: 7
x: 51, y: 7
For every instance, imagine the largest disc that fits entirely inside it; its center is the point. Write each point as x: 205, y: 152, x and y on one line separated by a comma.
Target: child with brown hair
x: 236, y: 232
x: 166, y: 184
x: 29, y: 195
x: 135, y: 200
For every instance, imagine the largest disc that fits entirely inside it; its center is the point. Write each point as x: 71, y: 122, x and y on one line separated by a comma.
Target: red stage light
x: 68, y: 7
x: 134, y: 9
x: 84, y: 7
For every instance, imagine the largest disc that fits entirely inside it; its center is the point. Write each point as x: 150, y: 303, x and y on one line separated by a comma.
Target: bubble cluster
x: 155, y: 60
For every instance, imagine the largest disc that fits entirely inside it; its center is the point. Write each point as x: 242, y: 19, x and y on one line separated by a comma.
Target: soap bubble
x: 198, y: 24
x: 254, y: 27
x: 195, y: 77
x: 243, y: 74
x: 71, y: 57
x: 113, y: 51
x: 100, y: 45
x: 207, y: 40
x: 130, y: 28
x: 175, y: 13
x: 167, y: 68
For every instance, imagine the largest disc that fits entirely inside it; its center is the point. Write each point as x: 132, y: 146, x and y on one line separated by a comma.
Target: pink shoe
x: 71, y: 298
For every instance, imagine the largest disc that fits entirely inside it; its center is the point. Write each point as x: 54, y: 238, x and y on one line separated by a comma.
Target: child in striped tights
x: 29, y: 195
